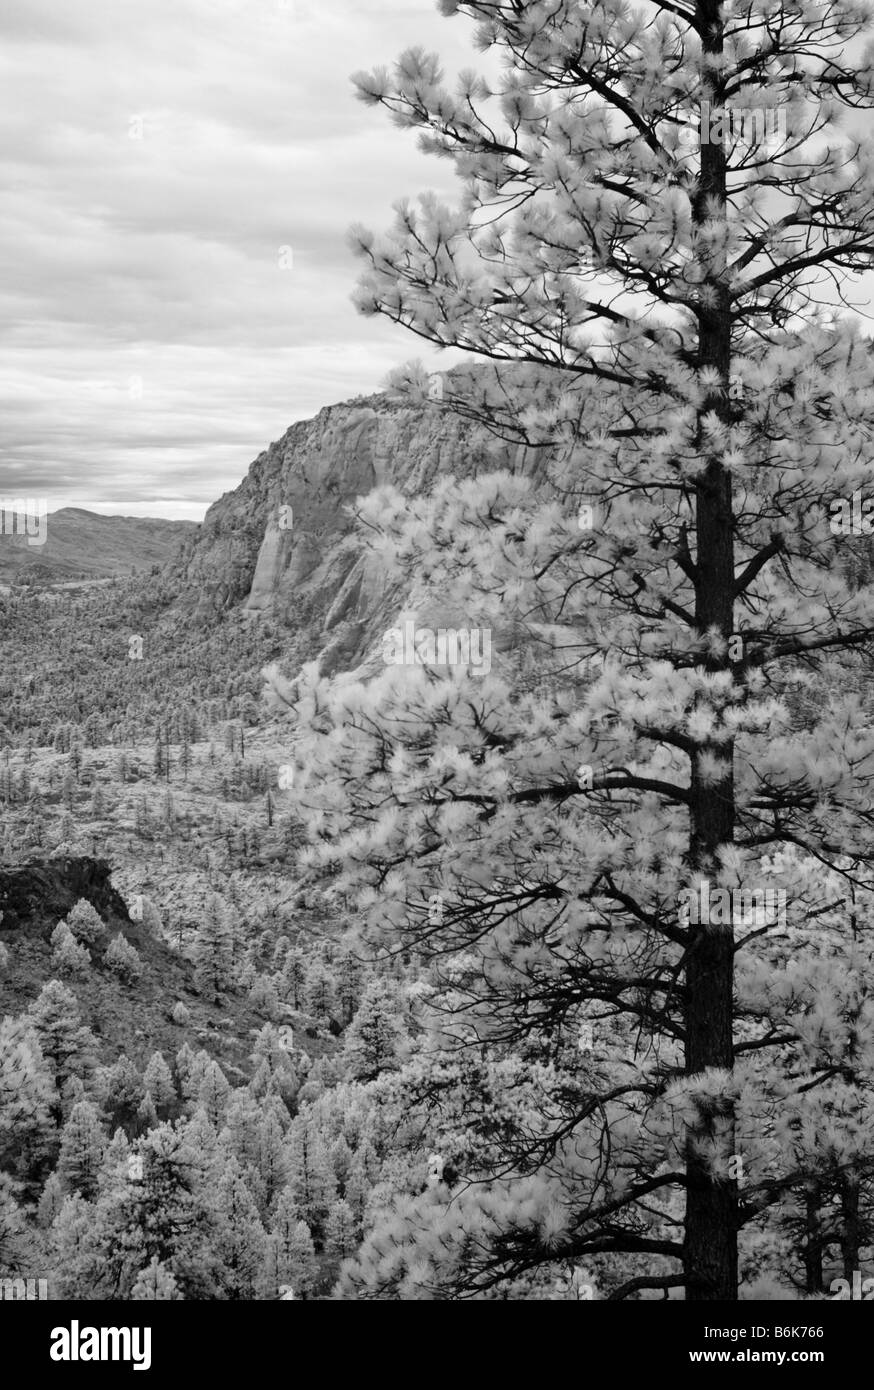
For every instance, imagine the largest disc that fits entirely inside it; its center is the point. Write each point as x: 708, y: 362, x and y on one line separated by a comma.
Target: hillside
x: 131, y: 1018
x: 82, y: 544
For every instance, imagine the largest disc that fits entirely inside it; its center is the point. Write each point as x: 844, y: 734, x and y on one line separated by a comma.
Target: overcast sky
x: 155, y: 158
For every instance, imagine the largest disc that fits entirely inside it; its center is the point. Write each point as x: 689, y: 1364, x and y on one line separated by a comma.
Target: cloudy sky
x: 155, y: 158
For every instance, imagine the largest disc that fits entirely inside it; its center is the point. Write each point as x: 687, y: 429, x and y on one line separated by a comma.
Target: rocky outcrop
x: 48, y: 888
x: 282, y: 545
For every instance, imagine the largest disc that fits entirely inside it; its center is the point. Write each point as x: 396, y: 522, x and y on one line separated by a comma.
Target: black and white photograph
x: 437, y: 668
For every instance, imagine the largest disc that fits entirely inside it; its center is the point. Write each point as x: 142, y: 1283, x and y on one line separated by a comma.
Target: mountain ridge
x: 89, y: 545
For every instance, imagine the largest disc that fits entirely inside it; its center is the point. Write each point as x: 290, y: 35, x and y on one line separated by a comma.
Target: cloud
x: 155, y: 160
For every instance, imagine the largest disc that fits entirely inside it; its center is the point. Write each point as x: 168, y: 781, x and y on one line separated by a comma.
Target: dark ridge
x: 48, y: 888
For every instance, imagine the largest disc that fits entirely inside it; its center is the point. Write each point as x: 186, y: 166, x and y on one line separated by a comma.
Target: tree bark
x: 851, y: 1225
x: 813, y: 1239
x: 710, y: 1246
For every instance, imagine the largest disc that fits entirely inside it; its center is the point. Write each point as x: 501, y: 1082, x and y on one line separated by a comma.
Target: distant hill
x: 81, y: 544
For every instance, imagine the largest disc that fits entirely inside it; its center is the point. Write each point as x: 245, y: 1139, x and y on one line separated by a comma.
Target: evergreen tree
x: 83, y: 1142
x: 374, y: 1039
x: 51, y: 1201
x: 213, y: 951
x: 292, y: 1261
x: 13, y: 1230
x: 123, y: 960
x: 213, y: 1093
x: 85, y: 923
x: 643, y: 277
x: 68, y: 1048
x: 163, y: 1215
x: 158, y: 1081
x: 264, y: 998
x: 348, y: 973
x: 78, y: 1246
x: 115, y: 1167
x: 26, y: 1095
x: 319, y: 991
x: 147, y: 1115
x: 68, y: 957
x: 240, y: 1242
x: 341, y: 1230
x: 120, y: 1090
x: 311, y: 1183
x: 155, y: 1283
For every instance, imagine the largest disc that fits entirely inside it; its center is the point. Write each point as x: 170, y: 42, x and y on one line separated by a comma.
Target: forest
x: 547, y: 977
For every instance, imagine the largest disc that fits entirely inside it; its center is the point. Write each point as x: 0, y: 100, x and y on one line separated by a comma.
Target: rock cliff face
x: 283, y: 544
x: 49, y: 888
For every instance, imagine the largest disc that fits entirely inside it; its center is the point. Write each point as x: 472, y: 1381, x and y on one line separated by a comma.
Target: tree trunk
x: 813, y: 1240
x: 710, y: 1247
x: 851, y: 1225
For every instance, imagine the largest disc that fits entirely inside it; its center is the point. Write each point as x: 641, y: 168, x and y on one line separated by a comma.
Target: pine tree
x: 213, y: 951
x: 185, y: 1061
x: 643, y: 277
x: 120, y: 1090
x: 319, y: 991
x: 311, y: 1181
x: 340, y: 1156
x: 85, y: 923
x: 27, y: 1092
x: 147, y: 1115
x: 161, y: 759
x: 341, y: 1230
x: 240, y: 1243
x: 83, y: 1143
x: 158, y: 1081
x: 123, y: 959
x: 68, y: 1049
x: 348, y: 973
x: 13, y: 1230
x: 155, y: 1283
x: 213, y: 1093
x: 68, y: 957
x: 51, y: 1201
x: 374, y: 1039
x: 264, y: 998
x: 292, y: 1261
x: 163, y: 1215
x: 80, y: 1269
